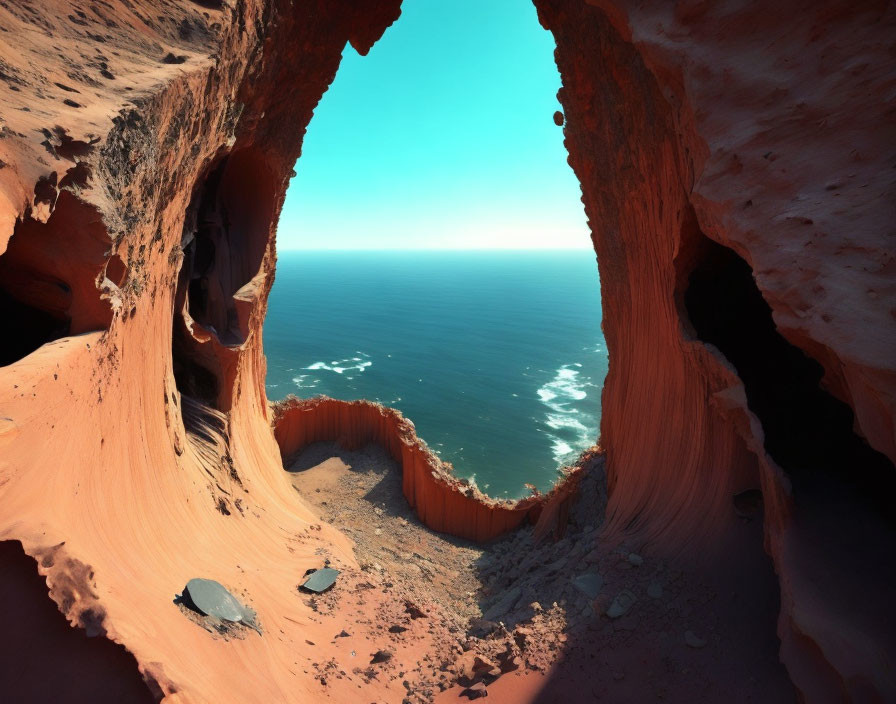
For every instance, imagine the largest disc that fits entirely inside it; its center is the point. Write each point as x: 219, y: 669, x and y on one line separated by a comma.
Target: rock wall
x: 731, y: 156
x: 145, y: 149
x: 737, y: 177
x: 442, y: 501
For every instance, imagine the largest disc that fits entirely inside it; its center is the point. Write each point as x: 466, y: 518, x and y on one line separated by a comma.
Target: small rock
x: 476, y: 691
x: 621, y: 604
x: 342, y: 634
x: 381, y: 656
x: 655, y: 590
x: 504, y: 604
x: 413, y: 610
x: 635, y: 559
x: 397, y: 629
x: 589, y: 584
x: 507, y: 661
x: 693, y: 641
x: 556, y: 565
x: 521, y: 636
x: 483, y: 664
x: 470, y: 667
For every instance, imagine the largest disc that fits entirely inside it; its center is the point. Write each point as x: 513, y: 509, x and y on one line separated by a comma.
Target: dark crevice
x: 43, y: 658
x: 195, y: 371
x: 808, y: 432
x: 48, y: 279
x: 193, y: 379
x: 207, y: 303
x: 225, y: 237
x: 28, y: 327
x: 226, y: 229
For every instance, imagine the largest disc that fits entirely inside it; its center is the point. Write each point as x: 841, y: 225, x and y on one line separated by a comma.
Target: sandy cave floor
x: 521, y: 617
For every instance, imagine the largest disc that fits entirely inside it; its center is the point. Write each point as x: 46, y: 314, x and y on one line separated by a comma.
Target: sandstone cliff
x: 737, y: 171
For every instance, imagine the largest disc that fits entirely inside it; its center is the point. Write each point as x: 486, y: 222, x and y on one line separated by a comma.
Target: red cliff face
x: 740, y: 196
x: 737, y: 172
x: 441, y: 501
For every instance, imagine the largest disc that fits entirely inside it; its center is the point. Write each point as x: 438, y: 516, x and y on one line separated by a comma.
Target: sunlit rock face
x: 737, y: 171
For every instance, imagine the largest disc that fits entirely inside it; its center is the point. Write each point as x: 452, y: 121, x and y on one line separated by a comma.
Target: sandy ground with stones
x: 496, y: 620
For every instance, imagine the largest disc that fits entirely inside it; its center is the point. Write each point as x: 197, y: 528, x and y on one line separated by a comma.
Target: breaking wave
x: 570, y: 431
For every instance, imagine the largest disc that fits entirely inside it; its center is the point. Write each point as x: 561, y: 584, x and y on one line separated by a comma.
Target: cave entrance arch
x: 409, y: 148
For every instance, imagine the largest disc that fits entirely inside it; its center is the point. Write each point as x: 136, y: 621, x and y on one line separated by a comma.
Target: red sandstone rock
x: 134, y: 426
x: 442, y: 501
x: 761, y: 127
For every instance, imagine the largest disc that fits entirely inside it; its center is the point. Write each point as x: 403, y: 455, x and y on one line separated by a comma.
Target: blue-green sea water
x: 497, y: 357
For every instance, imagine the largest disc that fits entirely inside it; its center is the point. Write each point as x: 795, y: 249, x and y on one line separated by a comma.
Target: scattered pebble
x: 589, y: 584
x: 476, y: 691
x: 381, y: 656
x: 621, y: 604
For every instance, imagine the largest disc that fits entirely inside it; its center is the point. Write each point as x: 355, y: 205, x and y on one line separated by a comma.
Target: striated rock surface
x: 737, y: 170
x: 441, y: 501
x: 137, y: 236
x: 736, y: 174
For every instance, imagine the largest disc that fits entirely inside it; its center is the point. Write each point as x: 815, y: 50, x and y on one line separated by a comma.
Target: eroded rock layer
x: 737, y: 170
x: 442, y: 501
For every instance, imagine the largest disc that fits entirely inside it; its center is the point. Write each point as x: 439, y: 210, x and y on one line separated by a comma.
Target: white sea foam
x: 562, y: 450
x: 559, y: 421
x: 302, y: 382
x: 570, y: 433
x: 340, y: 366
x: 562, y: 389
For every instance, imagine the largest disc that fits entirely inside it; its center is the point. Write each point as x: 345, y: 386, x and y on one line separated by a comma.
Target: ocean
x: 497, y: 357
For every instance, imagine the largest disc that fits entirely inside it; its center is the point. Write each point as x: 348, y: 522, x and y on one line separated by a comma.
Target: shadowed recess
x: 48, y: 279
x: 808, y: 432
x: 226, y: 234
x: 226, y: 231
x: 41, y: 655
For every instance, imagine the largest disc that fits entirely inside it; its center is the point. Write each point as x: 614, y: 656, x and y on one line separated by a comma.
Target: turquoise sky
x: 442, y: 137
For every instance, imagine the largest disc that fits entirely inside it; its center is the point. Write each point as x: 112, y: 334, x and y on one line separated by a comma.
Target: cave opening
x: 48, y: 279
x: 33, y: 325
x: 808, y: 432
x: 434, y: 253
x: 225, y: 239
x: 226, y: 232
